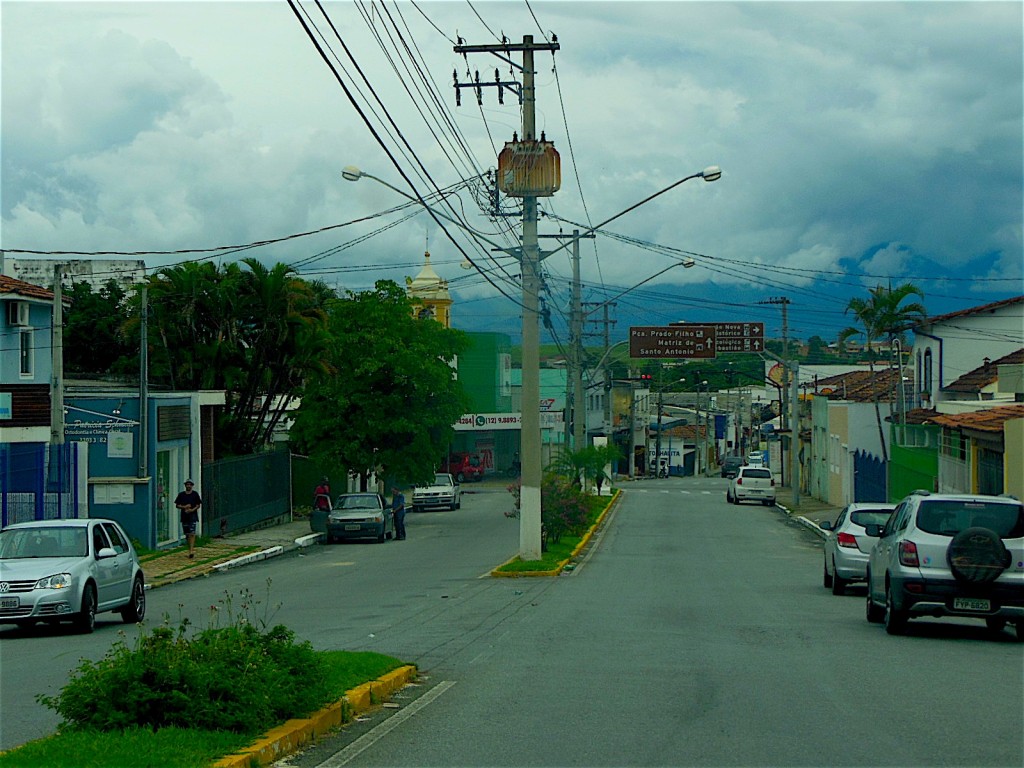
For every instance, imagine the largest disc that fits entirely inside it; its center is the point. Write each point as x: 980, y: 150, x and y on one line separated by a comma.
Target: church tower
x: 430, y: 294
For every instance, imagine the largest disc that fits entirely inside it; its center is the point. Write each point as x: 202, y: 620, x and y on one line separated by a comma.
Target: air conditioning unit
x: 17, y: 313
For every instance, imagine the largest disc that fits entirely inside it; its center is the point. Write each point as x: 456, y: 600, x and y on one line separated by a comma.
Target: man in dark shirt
x: 188, y: 503
x: 398, y: 508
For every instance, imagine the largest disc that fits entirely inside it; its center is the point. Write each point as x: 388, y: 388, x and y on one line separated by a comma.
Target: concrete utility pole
x: 574, y: 383
x: 57, y: 357
x: 530, y: 437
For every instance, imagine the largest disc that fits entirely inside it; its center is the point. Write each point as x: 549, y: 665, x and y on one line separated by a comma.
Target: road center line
x: 371, y: 737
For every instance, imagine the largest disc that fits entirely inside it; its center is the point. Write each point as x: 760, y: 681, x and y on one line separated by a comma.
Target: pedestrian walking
x: 398, y: 509
x: 322, y: 496
x: 188, y: 503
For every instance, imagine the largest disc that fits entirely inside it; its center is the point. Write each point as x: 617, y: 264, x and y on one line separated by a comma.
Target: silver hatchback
x: 949, y: 555
x: 69, y: 570
x: 847, y: 544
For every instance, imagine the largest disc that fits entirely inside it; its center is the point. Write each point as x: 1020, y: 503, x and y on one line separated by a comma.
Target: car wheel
x: 769, y: 502
x: 977, y: 556
x: 460, y: 477
x: 135, y: 611
x: 85, y: 620
x: 895, y: 618
x: 826, y: 577
x: 838, y: 583
x: 381, y: 537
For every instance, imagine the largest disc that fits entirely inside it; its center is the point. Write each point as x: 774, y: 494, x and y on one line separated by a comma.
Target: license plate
x: 971, y: 604
x: 351, y: 527
x: 10, y: 602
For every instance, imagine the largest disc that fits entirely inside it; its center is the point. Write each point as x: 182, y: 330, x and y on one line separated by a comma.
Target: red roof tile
x: 21, y: 288
x: 973, y: 311
x: 984, y: 375
x: 984, y: 420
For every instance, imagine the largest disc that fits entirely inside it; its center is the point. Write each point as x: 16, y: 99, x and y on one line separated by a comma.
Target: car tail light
x: 739, y: 480
x: 908, y: 554
x: 773, y: 481
x: 846, y: 540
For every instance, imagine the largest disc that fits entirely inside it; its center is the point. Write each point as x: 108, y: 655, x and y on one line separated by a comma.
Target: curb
x: 561, y: 566
x: 804, y: 521
x: 252, y: 557
x: 297, y: 733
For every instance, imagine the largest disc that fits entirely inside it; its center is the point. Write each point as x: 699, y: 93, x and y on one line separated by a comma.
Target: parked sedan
x: 443, y: 493
x: 359, y: 516
x: 69, y: 570
x: 847, y: 545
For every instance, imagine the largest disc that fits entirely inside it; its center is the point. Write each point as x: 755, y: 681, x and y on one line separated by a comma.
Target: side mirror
x: 106, y: 552
x: 825, y: 525
x: 873, y: 529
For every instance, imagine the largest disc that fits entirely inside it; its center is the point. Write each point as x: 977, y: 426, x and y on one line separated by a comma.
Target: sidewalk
x: 228, y: 552
x: 808, y: 510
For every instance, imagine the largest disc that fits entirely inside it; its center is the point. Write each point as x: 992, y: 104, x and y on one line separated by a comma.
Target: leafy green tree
x: 253, y: 331
x: 386, y: 399
x: 587, y: 463
x: 95, y: 340
x: 885, y: 314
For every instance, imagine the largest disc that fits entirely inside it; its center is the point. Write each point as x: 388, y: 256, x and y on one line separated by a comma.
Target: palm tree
x: 883, y: 315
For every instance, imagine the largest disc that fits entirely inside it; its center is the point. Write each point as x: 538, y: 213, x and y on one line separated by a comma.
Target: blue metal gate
x: 39, y: 481
x: 869, y: 478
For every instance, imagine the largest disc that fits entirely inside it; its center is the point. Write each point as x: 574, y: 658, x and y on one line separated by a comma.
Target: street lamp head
x: 351, y: 173
x: 711, y: 173
x: 687, y: 263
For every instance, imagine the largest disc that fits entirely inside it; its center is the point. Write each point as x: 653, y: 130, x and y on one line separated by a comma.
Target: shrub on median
x: 240, y: 677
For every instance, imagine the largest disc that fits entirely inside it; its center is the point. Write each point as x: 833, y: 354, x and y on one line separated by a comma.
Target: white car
x: 752, y: 483
x: 69, y: 570
x: 847, y: 545
x: 444, y: 493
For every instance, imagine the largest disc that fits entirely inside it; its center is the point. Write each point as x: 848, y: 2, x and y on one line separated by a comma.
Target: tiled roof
x: 21, y: 288
x: 981, y: 377
x: 984, y: 420
x: 860, y: 386
x: 973, y: 311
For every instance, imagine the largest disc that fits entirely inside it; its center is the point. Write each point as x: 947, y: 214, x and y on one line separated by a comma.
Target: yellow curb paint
x: 558, y: 569
x: 295, y: 734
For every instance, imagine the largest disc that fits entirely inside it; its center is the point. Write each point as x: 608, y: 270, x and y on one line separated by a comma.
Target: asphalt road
x: 695, y: 633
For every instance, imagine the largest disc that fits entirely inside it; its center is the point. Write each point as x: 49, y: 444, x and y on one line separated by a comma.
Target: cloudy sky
x: 860, y: 143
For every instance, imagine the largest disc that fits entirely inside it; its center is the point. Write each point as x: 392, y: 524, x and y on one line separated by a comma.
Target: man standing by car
x: 398, y: 509
x: 188, y: 502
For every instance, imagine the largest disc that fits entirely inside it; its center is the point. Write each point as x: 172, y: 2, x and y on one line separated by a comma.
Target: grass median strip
x: 178, y: 697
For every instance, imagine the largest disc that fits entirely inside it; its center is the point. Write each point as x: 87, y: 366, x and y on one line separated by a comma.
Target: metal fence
x: 39, y: 481
x: 246, y: 492
x: 869, y: 478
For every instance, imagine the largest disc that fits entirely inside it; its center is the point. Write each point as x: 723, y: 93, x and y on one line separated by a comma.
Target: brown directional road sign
x: 733, y: 337
x: 653, y: 341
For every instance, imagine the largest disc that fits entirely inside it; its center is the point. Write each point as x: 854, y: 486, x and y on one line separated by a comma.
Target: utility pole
x: 609, y: 428
x: 787, y: 369
x: 144, y: 384
x: 530, y: 437
x: 575, y: 379
x: 57, y: 357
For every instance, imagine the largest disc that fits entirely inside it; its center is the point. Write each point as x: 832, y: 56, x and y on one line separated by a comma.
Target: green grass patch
x: 181, y: 747
x: 561, y: 550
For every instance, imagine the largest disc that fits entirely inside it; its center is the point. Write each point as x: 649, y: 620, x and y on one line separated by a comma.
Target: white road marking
x: 371, y: 737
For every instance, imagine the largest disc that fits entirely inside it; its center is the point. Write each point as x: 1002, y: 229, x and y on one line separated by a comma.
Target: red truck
x: 464, y: 466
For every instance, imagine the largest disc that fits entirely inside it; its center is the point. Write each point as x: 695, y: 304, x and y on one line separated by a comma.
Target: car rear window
x: 765, y: 473
x: 864, y: 517
x: 948, y: 517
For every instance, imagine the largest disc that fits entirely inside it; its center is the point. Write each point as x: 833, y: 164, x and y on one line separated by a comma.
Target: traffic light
x: 644, y: 377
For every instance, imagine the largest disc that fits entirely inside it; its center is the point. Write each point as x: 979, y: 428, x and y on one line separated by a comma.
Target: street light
x: 530, y: 435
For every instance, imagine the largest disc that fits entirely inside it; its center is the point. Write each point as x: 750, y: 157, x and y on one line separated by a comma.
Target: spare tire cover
x: 977, y: 555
